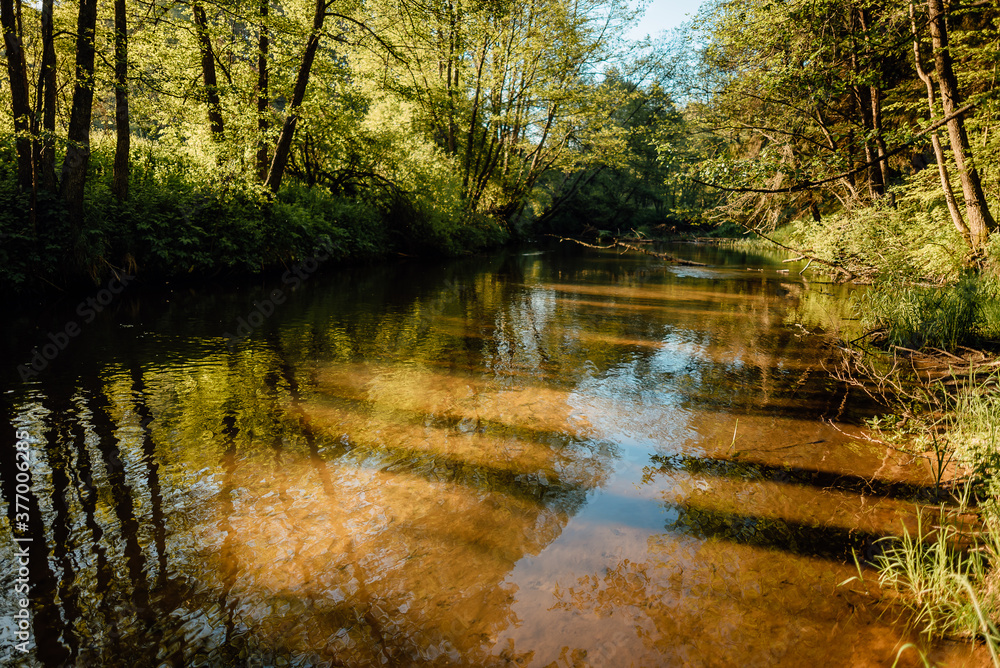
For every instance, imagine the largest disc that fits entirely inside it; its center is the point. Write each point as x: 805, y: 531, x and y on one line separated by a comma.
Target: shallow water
x: 543, y: 458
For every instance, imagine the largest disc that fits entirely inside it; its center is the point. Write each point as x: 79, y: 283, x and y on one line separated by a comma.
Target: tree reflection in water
x: 520, y: 461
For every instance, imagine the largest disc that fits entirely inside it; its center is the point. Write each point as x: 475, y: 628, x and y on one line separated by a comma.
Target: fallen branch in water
x: 626, y: 246
x: 848, y: 275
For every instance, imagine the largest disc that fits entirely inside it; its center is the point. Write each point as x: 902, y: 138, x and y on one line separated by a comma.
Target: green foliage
x: 28, y: 250
x: 918, y: 316
x: 183, y: 218
x: 642, y: 183
x: 913, y: 241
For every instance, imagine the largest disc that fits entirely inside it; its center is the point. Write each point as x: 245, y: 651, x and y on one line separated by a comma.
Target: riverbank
x: 929, y: 352
x: 183, y: 219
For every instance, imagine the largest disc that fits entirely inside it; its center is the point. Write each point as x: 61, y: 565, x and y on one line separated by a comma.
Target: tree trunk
x: 208, y: 71
x: 20, y: 105
x: 263, y: 96
x: 284, y: 144
x: 883, y: 165
x: 452, y: 75
x: 74, y: 169
x: 880, y: 173
x: 977, y: 214
x: 45, y: 147
x: 876, y: 187
x: 949, y: 194
x: 473, y: 122
x: 119, y: 183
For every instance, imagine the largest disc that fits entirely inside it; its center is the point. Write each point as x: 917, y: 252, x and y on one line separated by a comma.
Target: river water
x: 554, y: 457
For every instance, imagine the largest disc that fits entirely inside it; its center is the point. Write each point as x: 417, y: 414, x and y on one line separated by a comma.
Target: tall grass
x: 947, y: 571
x: 929, y: 569
x: 964, y: 313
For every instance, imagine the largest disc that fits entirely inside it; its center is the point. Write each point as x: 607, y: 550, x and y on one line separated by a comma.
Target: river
x: 543, y: 457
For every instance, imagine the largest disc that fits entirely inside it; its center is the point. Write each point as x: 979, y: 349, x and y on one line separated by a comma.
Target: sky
x: 663, y: 15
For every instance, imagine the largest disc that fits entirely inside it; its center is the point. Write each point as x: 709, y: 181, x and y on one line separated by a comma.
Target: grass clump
x: 945, y: 575
x: 946, y: 572
x: 963, y: 313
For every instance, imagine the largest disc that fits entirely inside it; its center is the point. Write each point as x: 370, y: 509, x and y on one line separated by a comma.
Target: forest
x: 163, y: 139
x: 173, y: 137
x: 194, y: 137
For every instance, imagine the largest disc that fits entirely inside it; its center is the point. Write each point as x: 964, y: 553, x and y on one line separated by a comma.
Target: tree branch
x: 805, y: 185
x: 622, y: 244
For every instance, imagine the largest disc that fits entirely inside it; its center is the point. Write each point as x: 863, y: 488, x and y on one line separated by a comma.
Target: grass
x: 964, y: 313
x: 946, y: 572
x: 929, y: 569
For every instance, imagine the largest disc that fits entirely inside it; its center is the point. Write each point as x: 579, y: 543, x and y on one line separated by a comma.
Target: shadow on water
x: 798, y: 475
x: 515, y: 460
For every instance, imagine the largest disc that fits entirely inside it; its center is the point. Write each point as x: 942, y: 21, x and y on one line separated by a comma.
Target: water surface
x: 548, y: 458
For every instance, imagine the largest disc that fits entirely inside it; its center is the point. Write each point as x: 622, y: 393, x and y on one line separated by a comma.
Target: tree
x: 939, y: 157
x: 263, y: 95
x: 17, y: 75
x: 505, y: 89
x: 977, y: 214
x: 123, y: 131
x: 45, y: 96
x: 209, y: 76
x: 74, y: 171
x: 284, y: 144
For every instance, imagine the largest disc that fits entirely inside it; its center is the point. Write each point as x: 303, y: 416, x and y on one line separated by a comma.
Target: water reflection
x: 523, y: 460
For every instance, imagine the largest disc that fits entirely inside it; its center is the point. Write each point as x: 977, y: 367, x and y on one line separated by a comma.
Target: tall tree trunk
x: 45, y: 146
x: 862, y: 96
x: 284, y: 144
x: 263, y: 95
x: 452, y: 74
x: 977, y: 214
x: 880, y: 174
x: 883, y: 164
x: 17, y: 74
x: 208, y: 74
x: 949, y: 194
x: 74, y: 169
x: 473, y: 122
x: 121, y: 169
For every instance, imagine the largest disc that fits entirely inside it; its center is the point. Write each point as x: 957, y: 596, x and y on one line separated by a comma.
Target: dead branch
x: 848, y: 275
x: 621, y: 244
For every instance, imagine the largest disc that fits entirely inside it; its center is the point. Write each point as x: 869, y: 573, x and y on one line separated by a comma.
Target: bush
x: 187, y: 217
x: 913, y: 241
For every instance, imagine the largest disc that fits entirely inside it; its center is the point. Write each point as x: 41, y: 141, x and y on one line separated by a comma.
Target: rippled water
x: 547, y: 458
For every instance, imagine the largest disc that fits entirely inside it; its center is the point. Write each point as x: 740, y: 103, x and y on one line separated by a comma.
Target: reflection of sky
x: 638, y: 403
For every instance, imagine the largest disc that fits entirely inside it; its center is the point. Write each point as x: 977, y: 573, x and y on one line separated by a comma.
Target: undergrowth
x: 946, y: 571
x: 188, y: 216
x: 963, y: 313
